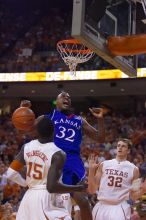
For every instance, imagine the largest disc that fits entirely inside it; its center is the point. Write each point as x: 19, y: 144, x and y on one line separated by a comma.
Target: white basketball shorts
x: 104, y: 211
x: 36, y: 204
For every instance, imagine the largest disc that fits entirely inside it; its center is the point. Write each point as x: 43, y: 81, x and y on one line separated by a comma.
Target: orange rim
x: 73, y: 41
x: 77, y: 51
x: 69, y: 41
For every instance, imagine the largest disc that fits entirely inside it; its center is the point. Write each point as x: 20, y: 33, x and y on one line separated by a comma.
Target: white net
x: 73, y: 53
x: 143, y: 2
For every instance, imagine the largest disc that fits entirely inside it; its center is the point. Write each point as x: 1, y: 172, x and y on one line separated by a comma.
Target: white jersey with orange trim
x: 116, y: 181
x: 38, y: 160
x: 37, y: 201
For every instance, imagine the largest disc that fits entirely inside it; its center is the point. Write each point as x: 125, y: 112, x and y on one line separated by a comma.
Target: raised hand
x: 98, y: 112
x: 93, y: 163
x: 25, y: 103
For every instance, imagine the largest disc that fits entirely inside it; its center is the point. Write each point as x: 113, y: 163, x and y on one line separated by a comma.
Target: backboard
x: 119, y: 19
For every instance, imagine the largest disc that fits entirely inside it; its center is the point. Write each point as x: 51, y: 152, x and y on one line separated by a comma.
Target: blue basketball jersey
x: 68, y: 131
x: 68, y: 137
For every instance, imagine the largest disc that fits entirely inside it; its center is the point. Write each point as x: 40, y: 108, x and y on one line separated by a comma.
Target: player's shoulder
x: 53, y: 146
x: 59, y: 154
x: 130, y: 164
x: 31, y: 144
x: 107, y: 162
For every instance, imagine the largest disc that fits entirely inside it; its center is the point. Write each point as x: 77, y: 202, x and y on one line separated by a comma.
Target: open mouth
x: 66, y: 103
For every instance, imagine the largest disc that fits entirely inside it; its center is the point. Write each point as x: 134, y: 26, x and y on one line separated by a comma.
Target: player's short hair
x: 62, y: 92
x: 45, y: 127
x: 127, y: 141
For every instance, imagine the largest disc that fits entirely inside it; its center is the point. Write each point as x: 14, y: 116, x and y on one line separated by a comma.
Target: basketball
x: 23, y: 118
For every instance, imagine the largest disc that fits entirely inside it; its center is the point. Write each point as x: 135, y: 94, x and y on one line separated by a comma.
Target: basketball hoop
x: 73, y: 52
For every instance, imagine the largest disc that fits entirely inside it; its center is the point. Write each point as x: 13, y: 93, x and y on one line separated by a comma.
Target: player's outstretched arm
x: 53, y: 180
x: 95, y: 173
x: 99, y: 134
x: 15, y: 167
x: 138, y: 137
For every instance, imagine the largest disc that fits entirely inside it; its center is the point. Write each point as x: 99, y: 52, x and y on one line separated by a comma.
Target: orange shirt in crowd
x: 16, y: 190
x: 7, y: 191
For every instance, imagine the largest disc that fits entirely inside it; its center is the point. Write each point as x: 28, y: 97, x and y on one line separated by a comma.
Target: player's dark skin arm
x: 53, y: 180
x: 137, y: 137
x: 91, y: 132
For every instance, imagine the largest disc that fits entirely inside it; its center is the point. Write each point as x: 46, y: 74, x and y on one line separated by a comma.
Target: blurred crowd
x: 28, y: 42
x: 10, y: 144
x: 117, y: 126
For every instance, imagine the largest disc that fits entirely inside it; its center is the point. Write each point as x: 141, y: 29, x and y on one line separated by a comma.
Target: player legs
x: 82, y: 200
x: 73, y: 175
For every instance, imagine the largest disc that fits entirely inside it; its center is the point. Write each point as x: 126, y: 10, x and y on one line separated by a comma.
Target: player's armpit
x: 16, y: 165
